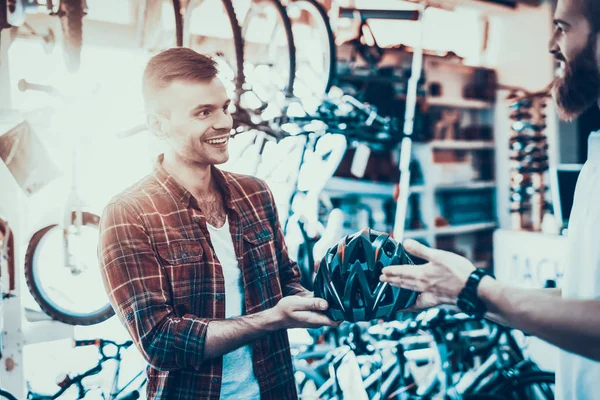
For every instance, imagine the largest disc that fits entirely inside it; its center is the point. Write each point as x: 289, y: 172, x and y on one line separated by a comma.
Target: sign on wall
x: 529, y: 259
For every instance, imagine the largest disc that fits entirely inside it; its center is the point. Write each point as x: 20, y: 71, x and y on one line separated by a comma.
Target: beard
x: 579, y: 88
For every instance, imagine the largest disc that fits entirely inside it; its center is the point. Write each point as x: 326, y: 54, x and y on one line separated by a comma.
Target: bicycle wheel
x: 74, y: 293
x: 270, y: 54
x: 6, y: 395
x: 205, y: 31
x: 315, y: 49
x: 161, y: 24
x: 70, y: 13
x: 534, y: 385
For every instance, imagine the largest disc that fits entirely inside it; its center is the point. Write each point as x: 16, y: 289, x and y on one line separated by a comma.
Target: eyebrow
x: 200, y: 107
x: 561, y: 22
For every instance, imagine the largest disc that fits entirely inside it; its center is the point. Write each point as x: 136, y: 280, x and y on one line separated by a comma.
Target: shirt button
x: 219, y: 296
x: 215, y: 380
x: 184, y: 256
x: 197, y: 218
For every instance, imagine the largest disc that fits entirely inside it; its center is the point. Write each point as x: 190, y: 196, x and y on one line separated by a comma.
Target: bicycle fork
x: 73, y: 221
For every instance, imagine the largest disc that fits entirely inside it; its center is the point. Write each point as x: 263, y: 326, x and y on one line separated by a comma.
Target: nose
x: 224, y: 121
x: 553, y: 45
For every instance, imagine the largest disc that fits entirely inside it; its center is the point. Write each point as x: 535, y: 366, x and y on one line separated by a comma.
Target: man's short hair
x: 176, y: 64
x: 591, y: 10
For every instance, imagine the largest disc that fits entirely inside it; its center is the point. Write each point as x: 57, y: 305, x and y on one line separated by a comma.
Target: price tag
x: 361, y: 158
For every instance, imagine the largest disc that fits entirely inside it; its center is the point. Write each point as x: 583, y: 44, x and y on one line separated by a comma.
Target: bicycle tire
x: 287, y: 26
x: 509, y: 386
x: 178, y: 23
x: 30, y: 278
x: 71, y: 13
x: 237, y: 40
x: 6, y: 395
x: 330, y: 40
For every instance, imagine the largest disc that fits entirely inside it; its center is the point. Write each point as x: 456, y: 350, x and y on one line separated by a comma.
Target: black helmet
x: 348, y: 278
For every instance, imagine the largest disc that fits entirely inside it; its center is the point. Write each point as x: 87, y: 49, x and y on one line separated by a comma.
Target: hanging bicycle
x: 315, y: 49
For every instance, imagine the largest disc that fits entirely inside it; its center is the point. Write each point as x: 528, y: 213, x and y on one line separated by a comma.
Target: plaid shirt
x: 166, y: 284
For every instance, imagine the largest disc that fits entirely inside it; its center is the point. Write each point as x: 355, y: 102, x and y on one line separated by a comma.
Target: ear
x: 157, y: 124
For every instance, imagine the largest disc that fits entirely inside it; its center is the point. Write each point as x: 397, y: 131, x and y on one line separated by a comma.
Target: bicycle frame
x: 77, y: 380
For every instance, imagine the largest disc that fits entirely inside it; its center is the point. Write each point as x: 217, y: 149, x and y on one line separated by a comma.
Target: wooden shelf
x: 459, y: 103
x: 462, y: 229
x: 466, y: 186
x: 461, y: 144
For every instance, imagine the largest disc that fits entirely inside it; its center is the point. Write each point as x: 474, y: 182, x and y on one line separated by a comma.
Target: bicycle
x: 76, y: 234
x: 461, y: 356
x: 316, y: 59
x: 116, y: 392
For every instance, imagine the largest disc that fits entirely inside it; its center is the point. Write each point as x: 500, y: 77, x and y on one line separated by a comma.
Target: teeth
x: 217, y: 141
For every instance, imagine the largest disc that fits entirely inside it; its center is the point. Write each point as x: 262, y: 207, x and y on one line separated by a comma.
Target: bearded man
x: 569, y: 317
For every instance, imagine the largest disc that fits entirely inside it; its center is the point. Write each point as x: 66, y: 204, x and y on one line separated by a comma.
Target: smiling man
x: 193, y: 258
x: 568, y: 318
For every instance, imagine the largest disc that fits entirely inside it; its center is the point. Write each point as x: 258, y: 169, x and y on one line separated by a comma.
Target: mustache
x: 559, y: 57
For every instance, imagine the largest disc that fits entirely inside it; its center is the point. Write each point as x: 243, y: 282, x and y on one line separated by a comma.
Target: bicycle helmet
x: 348, y: 278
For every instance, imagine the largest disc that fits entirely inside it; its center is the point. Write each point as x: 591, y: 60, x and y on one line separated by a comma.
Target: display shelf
x: 459, y: 103
x: 344, y: 186
x: 462, y: 229
x: 473, y: 185
x: 461, y: 144
x: 418, y: 188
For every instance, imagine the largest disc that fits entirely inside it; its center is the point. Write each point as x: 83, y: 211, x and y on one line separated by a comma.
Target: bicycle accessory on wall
x: 348, y: 278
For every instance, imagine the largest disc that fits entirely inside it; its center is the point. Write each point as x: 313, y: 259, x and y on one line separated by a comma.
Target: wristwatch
x: 467, y: 300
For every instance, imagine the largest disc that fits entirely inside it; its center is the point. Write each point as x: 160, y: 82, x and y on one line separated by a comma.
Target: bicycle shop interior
x: 426, y: 120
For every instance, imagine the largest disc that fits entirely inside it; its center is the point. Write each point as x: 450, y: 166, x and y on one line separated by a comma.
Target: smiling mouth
x: 218, y: 140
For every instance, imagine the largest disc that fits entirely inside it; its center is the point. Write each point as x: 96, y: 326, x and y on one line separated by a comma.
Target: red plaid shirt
x: 166, y: 285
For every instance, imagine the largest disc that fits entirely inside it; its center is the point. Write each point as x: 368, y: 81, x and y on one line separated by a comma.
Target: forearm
x: 573, y: 325
x: 226, y: 335
x: 547, y: 292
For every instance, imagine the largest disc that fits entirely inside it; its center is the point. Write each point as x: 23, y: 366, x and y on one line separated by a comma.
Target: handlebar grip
x: 23, y: 86
x: 87, y: 342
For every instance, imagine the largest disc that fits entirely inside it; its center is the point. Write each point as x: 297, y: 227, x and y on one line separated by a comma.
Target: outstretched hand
x: 439, y: 281
x: 302, y: 312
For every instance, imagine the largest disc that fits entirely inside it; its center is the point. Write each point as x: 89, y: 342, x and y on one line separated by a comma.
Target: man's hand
x: 301, y: 312
x: 439, y: 281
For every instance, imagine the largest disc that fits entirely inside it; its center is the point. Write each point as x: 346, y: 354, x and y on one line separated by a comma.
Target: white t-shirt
x: 238, y: 380
x: 578, y: 377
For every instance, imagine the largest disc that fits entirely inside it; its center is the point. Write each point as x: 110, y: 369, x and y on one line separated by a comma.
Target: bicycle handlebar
x: 366, y: 109
x: 102, y: 344
x: 23, y: 86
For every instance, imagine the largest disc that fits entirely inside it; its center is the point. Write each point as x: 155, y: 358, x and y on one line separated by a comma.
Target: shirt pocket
x: 260, y: 261
x: 182, y: 262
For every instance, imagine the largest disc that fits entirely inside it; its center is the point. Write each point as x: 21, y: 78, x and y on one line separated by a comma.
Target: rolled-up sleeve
x: 289, y: 272
x: 139, y: 292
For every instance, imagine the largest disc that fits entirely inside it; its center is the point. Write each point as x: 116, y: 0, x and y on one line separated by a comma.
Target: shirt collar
x: 182, y: 194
